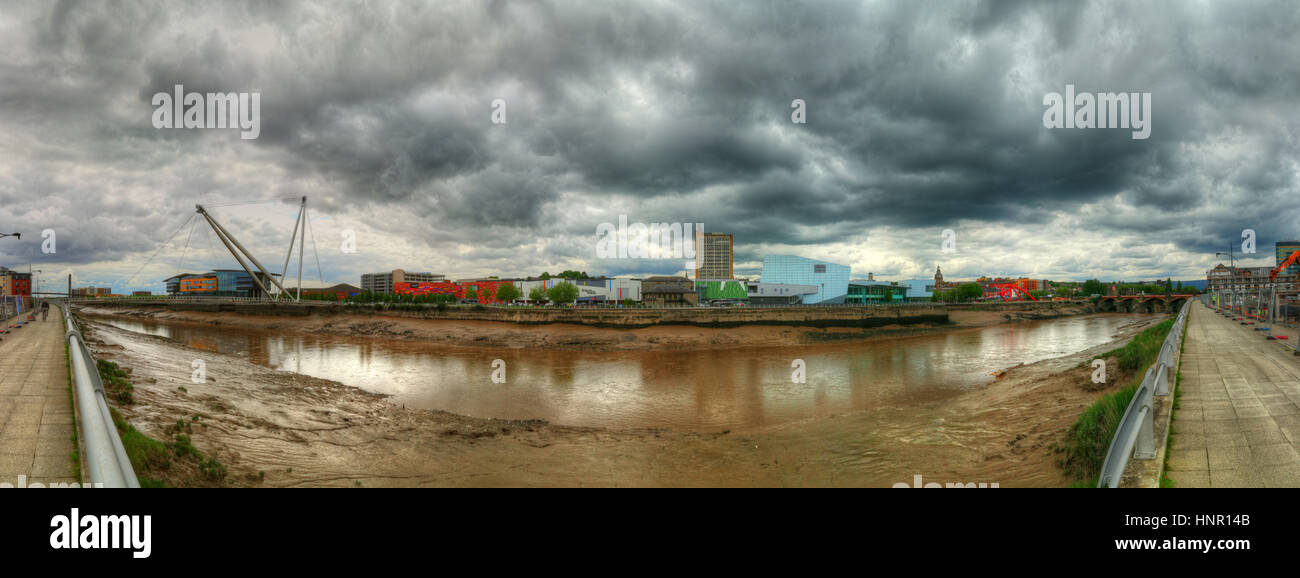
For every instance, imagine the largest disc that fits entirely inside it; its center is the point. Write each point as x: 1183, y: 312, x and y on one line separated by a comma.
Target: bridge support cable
x: 180, y: 268
x: 158, y: 250
x: 320, y: 274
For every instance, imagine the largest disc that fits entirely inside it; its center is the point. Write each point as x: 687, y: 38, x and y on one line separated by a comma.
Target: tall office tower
x: 714, y: 253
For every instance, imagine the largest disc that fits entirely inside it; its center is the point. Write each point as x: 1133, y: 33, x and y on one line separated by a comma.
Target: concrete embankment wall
x: 866, y: 317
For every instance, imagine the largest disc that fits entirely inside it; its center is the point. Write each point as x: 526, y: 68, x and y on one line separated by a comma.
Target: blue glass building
x: 830, y: 279
x: 216, y: 283
x: 919, y: 289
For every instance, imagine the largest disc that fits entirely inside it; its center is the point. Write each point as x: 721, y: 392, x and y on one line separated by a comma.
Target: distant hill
x: 1198, y: 284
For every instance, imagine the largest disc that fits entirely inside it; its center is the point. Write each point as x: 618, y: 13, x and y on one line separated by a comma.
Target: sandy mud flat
x: 273, y: 428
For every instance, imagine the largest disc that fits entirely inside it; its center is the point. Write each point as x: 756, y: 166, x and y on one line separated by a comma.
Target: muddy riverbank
x: 275, y: 428
x: 566, y: 336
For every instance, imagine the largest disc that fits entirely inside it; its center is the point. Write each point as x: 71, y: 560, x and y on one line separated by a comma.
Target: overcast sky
x: 921, y: 117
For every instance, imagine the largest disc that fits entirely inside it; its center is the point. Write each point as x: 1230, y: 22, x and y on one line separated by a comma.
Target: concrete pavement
x: 36, y: 419
x: 1238, y: 421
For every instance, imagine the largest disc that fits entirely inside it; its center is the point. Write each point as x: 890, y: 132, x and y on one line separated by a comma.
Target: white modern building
x: 830, y: 279
x: 779, y: 293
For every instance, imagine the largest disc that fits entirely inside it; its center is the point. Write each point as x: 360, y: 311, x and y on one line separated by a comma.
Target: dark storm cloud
x: 921, y: 116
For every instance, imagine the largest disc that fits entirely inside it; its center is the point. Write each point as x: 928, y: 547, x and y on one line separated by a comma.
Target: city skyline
x: 921, y: 118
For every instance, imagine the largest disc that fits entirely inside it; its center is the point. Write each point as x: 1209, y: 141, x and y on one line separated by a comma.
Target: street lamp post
x: 37, y: 291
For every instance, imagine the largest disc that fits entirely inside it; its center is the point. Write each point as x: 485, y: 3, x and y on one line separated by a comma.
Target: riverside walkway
x: 1238, y: 421
x: 36, y: 419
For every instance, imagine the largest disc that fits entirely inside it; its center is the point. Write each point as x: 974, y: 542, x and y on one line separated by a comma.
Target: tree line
x: 974, y: 291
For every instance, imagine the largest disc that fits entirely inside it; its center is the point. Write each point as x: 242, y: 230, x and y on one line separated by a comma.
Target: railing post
x: 1146, y: 440
x: 1162, y: 379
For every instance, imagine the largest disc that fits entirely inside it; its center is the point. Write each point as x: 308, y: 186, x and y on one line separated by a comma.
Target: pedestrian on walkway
x: 45, y: 310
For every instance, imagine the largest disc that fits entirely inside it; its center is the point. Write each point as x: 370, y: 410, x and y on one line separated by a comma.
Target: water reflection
x: 696, y: 390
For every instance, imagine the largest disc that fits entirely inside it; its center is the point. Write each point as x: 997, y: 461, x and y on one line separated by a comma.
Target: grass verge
x: 1165, y: 482
x: 1087, y: 440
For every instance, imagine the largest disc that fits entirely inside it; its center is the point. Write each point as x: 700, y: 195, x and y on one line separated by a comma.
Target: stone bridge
x: 1144, y: 303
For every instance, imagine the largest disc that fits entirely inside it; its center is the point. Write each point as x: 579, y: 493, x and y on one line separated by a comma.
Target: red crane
x: 1292, y: 260
x: 1013, y: 292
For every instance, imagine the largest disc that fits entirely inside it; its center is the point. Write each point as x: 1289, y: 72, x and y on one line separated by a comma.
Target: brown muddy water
x: 707, y: 390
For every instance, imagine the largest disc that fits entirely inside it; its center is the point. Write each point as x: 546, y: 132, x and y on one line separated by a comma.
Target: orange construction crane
x: 1292, y: 260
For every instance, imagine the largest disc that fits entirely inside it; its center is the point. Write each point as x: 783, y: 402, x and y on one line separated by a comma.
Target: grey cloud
x: 922, y: 116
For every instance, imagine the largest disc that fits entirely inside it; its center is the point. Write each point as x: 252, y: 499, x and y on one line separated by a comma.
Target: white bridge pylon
x: 240, y: 253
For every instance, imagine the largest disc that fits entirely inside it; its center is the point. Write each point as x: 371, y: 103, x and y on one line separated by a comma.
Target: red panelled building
x: 486, y: 291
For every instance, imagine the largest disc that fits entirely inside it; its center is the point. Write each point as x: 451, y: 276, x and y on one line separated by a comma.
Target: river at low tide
x: 705, y: 390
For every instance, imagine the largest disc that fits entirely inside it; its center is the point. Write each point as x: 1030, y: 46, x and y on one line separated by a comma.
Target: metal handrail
x: 105, y: 457
x: 1135, y: 435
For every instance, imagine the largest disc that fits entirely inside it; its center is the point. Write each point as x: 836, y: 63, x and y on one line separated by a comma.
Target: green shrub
x: 213, y: 469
